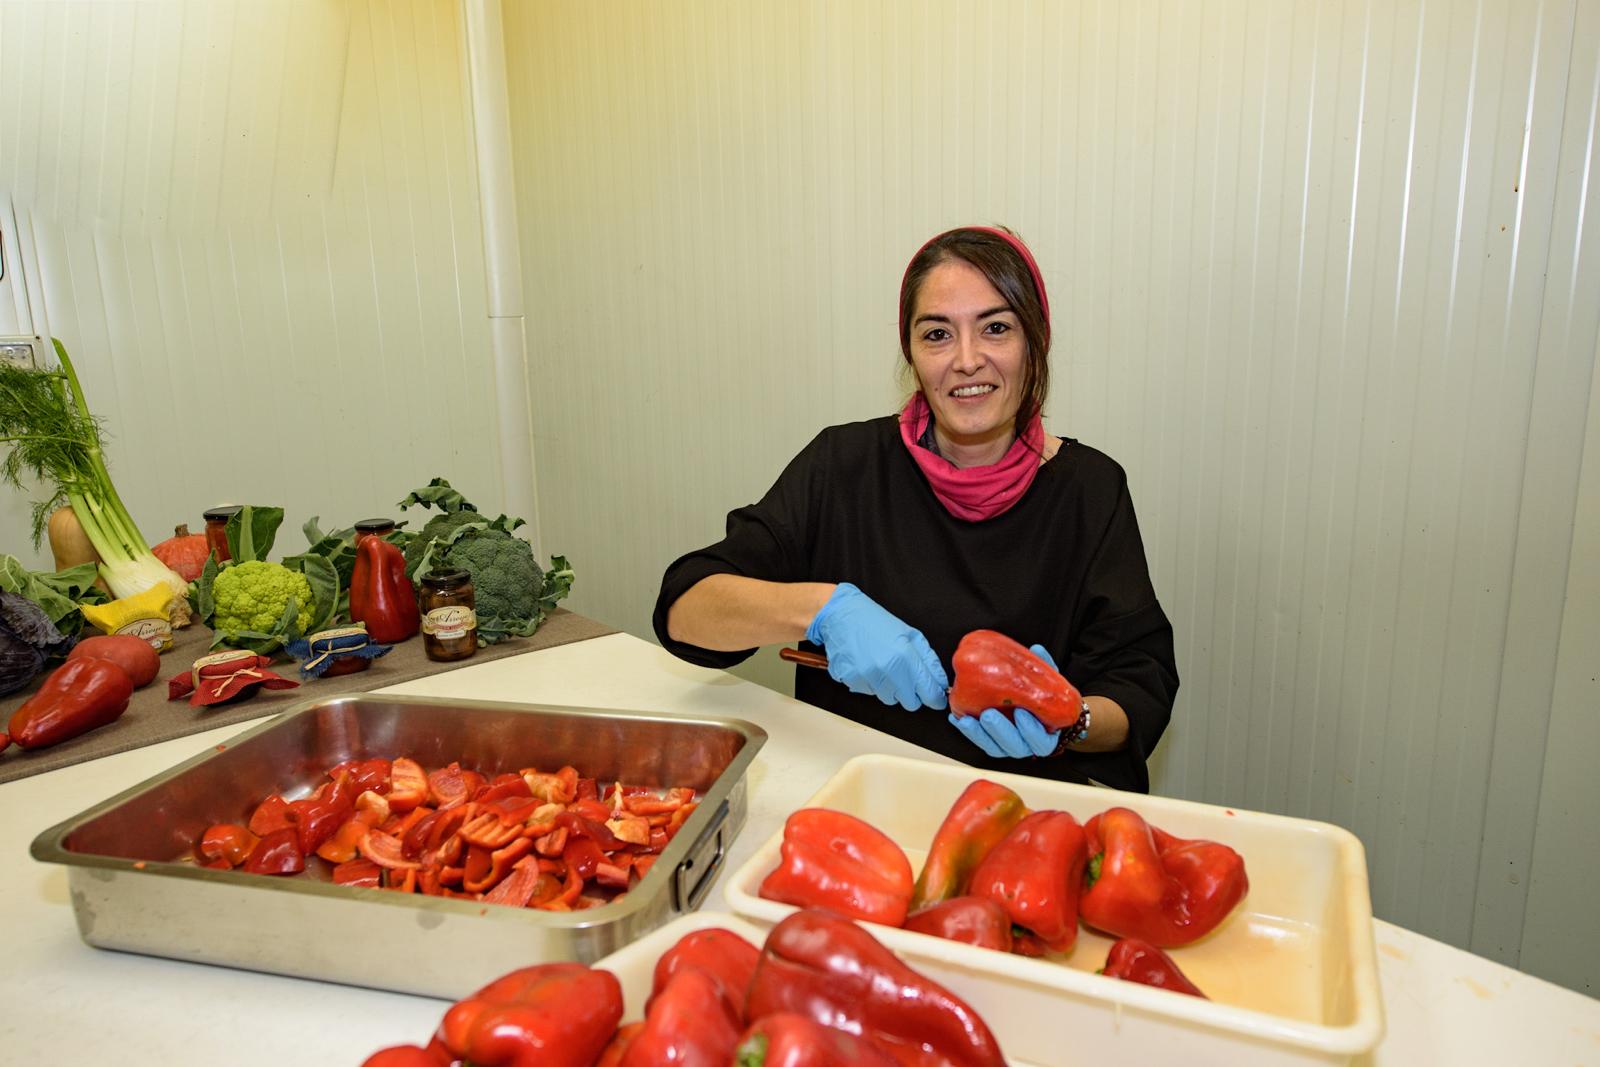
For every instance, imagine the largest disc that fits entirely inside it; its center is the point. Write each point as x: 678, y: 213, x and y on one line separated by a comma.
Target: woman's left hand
x: 1021, y: 736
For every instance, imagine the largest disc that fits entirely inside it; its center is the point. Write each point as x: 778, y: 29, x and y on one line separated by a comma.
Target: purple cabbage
x: 27, y: 638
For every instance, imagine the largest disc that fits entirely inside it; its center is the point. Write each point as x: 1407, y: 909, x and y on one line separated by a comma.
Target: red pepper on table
x: 548, y: 1015
x: 1036, y: 874
x: 836, y: 861
x: 983, y: 814
x: 833, y: 971
x: 688, y: 1024
x: 789, y: 1040
x: 993, y: 671
x: 1133, y: 960
x: 1147, y: 884
x: 409, y: 1056
x: 970, y: 920
x: 77, y: 697
x: 381, y: 596
x: 723, y: 954
x: 5, y: 740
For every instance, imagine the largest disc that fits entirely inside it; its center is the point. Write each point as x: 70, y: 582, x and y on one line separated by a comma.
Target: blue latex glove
x: 1020, y: 736
x: 872, y: 652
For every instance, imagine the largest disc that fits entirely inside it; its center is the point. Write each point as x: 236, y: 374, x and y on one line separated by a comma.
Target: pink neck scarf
x: 973, y: 493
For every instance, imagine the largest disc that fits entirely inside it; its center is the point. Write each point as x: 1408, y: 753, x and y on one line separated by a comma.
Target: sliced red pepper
x: 729, y: 959
x: 228, y: 842
x: 1034, y: 874
x: 612, y: 875
x: 276, y: 853
x: 583, y: 826
x: 450, y: 785
x: 834, y: 972
x: 270, y: 816
x: 1147, y: 884
x: 504, y: 786
x: 584, y: 855
x: 345, y: 842
x: 688, y: 1022
x: 588, y: 789
x: 364, y: 774
x: 358, y: 872
x: 433, y: 830
x: 642, y: 864
x: 518, y: 887
x: 384, y: 850
x: 595, y: 811
x: 836, y: 861
x: 486, y: 830
x: 317, y: 819
x: 408, y: 785
x: 400, y: 881
x: 630, y: 830
x: 1133, y: 960
x: 570, y: 890
x: 983, y: 814
x: 970, y: 920
x: 789, y: 1040
x: 558, y: 788
x: 552, y: 843
x: 552, y: 1015
x: 485, y: 869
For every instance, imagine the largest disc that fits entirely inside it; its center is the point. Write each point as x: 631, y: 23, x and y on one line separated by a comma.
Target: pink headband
x: 1010, y: 239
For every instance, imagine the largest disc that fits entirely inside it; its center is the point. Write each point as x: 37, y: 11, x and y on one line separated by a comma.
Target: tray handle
x: 692, y: 879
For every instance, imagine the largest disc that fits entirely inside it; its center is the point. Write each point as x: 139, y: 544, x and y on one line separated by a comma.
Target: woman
x: 885, y: 541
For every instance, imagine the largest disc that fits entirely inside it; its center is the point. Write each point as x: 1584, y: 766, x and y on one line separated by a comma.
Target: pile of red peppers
x: 1002, y: 877
x: 821, y: 992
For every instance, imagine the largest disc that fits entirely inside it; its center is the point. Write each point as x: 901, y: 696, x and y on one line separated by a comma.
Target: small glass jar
x: 373, y: 528
x: 217, y: 530
x: 449, y: 621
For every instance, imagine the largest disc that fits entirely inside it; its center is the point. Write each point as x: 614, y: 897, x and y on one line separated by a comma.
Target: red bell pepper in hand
x: 381, y: 595
x: 78, y: 696
x: 1133, y: 960
x: 1036, y: 874
x: 970, y: 920
x: 723, y: 954
x: 688, y: 1025
x: 993, y: 671
x: 1147, y: 884
x: 983, y: 814
x: 789, y: 1040
x: 834, y: 972
x: 548, y: 1015
x: 836, y: 861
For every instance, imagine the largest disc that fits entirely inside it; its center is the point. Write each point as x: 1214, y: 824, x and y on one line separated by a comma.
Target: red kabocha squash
x: 184, y: 552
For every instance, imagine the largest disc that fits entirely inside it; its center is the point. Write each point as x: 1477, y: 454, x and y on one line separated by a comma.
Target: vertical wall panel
x: 256, y: 230
x: 1297, y: 256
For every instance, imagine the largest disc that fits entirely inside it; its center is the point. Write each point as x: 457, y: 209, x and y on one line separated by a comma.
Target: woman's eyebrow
x: 931, y: 317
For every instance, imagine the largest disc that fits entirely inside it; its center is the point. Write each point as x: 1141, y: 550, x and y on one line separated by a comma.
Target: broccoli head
x: 438, y: 528
x: 252, y: 596
x: 506, y: 579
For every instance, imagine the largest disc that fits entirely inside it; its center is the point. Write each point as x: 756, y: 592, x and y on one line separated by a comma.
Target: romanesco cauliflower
x: 252, y: 596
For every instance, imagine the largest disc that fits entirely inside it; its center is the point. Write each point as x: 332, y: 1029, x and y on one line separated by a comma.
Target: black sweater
x: 1064, y: 568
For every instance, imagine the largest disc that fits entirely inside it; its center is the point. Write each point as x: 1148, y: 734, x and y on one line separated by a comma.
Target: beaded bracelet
x: 1074, y: 734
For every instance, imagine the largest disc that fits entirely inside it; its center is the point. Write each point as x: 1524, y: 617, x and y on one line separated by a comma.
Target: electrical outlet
x: 20, y: 351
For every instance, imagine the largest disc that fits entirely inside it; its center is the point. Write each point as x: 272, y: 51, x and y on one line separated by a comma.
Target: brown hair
x: 998, y: 258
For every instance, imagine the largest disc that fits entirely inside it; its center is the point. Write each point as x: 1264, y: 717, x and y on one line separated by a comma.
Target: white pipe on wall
x: 491, y: 137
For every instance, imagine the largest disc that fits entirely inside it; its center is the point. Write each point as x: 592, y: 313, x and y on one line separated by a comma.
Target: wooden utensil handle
x: 805, y: 659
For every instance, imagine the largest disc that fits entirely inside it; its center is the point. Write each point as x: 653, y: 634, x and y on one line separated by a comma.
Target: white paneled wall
x: 255, y: 227
x: 1324, y: 281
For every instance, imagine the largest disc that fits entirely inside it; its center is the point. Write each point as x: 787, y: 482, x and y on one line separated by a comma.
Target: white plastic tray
x: 1292, y: 974
x: 635, y: 967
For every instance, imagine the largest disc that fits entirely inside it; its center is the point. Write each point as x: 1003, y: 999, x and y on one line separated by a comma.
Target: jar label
x: 156, y: 631
x: 450, y: 623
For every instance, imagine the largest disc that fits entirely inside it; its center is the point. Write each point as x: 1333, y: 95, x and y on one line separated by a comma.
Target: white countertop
x: 64, y: 1002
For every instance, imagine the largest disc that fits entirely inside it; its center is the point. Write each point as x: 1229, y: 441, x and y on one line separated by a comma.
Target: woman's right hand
x: 871, y: 651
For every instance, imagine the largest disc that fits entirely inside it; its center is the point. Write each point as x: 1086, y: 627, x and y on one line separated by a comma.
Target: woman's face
x: 969, y: 352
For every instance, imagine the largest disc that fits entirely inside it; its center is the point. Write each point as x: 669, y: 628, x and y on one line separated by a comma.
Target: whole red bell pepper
x: 78, y: 696
x: 983, y: 814
x: 548, y: 1015
x: 836, y: 861
x: 410, y: 1056
x: 1036, y: 874
x: 688, y: 1024
x: 381, y: 596
x: 728, y: 958
x: 612, y: 1056
x: 834, y: 972
x: 789, y: 1040
x: 1133, y: 960
x: 1147, y: 884
x: 970, y: 920
x: 993, y: 671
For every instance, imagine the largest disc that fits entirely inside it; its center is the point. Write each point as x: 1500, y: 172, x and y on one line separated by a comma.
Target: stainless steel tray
x: 130, y: 891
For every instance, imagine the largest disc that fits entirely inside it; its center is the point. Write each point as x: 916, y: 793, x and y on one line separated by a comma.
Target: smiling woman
x: 886, y: 541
